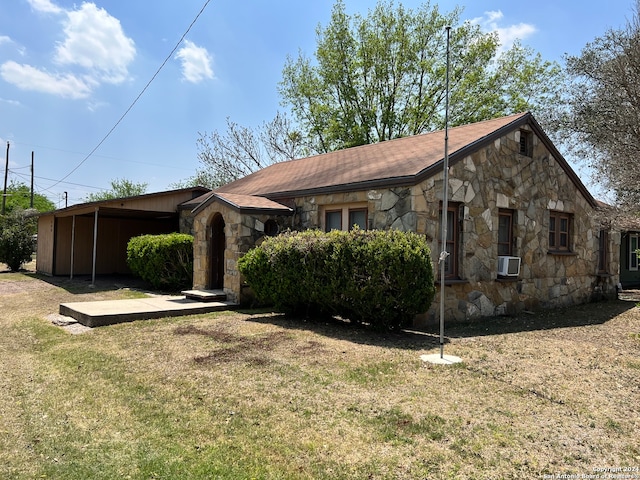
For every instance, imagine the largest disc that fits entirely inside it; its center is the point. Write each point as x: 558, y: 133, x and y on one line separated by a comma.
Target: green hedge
x: 383, y: 278
x: 16, y: 238
x: 165, y: 261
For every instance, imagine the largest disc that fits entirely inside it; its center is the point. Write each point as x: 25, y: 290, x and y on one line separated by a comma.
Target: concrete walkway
x: 109, y: 312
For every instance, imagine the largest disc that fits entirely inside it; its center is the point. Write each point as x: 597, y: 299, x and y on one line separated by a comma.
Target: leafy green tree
x: 599, y: 122
x: 382, y: 76
x: 19, y: 197
x: 120, y: 188
x: 16, y: 237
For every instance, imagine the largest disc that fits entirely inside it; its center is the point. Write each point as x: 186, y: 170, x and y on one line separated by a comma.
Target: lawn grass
x: 255, y: 395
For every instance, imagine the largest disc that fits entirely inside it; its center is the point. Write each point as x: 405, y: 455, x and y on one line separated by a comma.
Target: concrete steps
x: 205, y: 295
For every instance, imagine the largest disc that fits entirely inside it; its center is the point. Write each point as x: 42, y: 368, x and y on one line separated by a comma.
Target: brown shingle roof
x: 243, y: 203
x: 252, y: 202
x: 399, y: 161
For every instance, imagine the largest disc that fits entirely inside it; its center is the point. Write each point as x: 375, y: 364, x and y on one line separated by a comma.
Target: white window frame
x: 345, y: 208
x: 633, y: 256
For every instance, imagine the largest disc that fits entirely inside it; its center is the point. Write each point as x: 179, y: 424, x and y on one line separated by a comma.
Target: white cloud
x: 9, y: 41
x: 94, y: 50
x: 95, y: 41
x: 15, y: 103
x: 44, y: 6
x: 27, y: 77
x: 96, y: 105
x: 196, y: 62
x: 507, y: 35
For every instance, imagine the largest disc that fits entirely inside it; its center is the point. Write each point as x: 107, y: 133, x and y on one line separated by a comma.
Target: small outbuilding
x: 91, y: 238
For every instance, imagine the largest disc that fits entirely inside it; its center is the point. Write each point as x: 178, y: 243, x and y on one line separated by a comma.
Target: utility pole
x: 66, y: 199
x: 6, y: 174
x: 31, y: 203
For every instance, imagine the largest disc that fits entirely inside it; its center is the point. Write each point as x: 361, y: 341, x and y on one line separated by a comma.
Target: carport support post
x: 95, y: 243
x: 73, y: 243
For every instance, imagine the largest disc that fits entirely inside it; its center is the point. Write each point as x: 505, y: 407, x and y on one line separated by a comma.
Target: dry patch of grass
x: 259, y: 395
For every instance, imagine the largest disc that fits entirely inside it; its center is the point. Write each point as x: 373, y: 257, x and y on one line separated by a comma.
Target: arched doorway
x: 217, y: 246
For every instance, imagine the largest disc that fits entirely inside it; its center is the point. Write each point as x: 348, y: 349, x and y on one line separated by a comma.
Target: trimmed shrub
x: 383, y: 278
x: 165, y: 261
x: 16, y: 238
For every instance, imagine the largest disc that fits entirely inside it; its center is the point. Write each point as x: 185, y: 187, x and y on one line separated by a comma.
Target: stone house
x: 522, y: 229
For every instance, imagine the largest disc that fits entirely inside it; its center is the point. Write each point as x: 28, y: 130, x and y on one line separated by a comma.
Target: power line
x: 111, y: 157
x: 137, y: 98
x: 19, y: 168
x: 38, y: 188
x: 57, y: 181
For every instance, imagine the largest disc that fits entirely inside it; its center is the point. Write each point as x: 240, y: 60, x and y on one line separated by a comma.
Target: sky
x: 70, y: 70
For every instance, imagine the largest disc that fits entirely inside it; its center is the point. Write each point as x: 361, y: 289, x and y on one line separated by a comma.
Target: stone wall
x: 387, y: 208
x: 495, y: 177
x: 185, y: 221
x: 242, y: 232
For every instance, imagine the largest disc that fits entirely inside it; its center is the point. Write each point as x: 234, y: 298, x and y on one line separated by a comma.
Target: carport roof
x: 151, y: 205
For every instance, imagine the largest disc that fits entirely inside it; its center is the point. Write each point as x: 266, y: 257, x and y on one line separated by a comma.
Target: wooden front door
x: 217, y: 245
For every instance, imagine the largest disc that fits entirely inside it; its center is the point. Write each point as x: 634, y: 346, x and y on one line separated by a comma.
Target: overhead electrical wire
x: 110, y: 157
x: 27, y: 176
x: 137, y: 98
x: 40, y: 189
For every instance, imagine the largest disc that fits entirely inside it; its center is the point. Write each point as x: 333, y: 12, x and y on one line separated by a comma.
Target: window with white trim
x: 344, y: 217
x: 633, y: 255
x: 332, y: 220
x: 358, y: 216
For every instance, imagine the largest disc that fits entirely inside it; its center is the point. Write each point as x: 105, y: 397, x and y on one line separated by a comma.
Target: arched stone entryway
x: 217, y: 246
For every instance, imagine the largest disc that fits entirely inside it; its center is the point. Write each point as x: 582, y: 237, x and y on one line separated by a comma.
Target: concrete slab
x: 109, y: 312
x: 436, y: 359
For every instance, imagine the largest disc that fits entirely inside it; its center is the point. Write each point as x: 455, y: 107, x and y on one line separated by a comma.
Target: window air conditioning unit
x: 508, y: 266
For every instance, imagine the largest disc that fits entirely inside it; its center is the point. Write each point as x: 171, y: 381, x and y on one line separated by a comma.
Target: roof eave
x: 265, y: 211
x: 403, y: 181
x: 409, y: 180
x: 242, y: 209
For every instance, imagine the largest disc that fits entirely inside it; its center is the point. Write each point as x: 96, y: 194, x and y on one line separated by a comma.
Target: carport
x: 91, y: 238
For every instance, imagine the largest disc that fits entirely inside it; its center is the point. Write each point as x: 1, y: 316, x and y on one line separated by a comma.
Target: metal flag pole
x: 441, y: 359
x: 444, y: 218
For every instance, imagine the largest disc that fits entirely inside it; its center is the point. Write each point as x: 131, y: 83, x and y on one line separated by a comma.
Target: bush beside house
x: 17, y: 230
x: 165, y: 261
x: 383, y: 278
